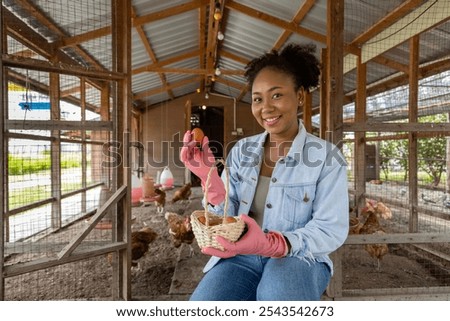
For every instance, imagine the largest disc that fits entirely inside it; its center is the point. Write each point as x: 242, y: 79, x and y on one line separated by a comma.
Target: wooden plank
x: 371, y: 126
x: 17, y: 124
x: 44, y: 263
x: 398, y: 238
x: 410, y: 293
x: 67, y: 250
x: 44, y: 246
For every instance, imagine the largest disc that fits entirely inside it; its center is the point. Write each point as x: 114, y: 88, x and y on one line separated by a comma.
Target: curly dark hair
x: 296, y: 60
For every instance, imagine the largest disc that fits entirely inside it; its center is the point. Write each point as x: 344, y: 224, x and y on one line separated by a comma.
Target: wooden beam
x: 75, y: 70
x: 399, y: 238
x: 350, y: 60
x: 396, y: 14
x: 84, y: 37
x: 115, y: 198
x: 40, y: 264
x: 371, y: 126
x: 169, y: 61
x: 425, y: 71
x: 429, y: 14
x: 165, y: 13
x: 298, y: 17
x: 17, y: 124
x: 290, y: 26
x: 146, y: 93
x: 148, y: 48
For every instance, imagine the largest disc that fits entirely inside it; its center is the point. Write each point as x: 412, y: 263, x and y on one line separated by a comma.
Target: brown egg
x: 202, y: 220
x: 230, y: 219
x: 198, y: 135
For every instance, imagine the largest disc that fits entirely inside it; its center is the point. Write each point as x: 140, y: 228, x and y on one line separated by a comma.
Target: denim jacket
x: 307, y: 199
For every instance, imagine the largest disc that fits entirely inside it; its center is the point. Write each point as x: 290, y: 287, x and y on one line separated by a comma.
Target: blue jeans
x: 251, y: 277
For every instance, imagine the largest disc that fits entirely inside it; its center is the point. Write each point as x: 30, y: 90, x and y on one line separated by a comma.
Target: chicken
x: 160, y: 200
x: 140, y: 241
x: 355, y: 225
x: 180, y: 229
x: 377, y: 251
x: 373, y: 212
x: 183, y: 193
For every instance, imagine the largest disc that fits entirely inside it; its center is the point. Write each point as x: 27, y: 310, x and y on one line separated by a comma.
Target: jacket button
x: 274, y: 180
x: 268, y: 205
x: 281, y: 161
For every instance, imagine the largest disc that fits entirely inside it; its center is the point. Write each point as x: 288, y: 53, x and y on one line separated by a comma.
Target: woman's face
x: 275, y: 103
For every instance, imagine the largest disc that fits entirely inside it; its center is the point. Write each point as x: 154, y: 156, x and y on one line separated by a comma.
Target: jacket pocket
x: 297, y: 204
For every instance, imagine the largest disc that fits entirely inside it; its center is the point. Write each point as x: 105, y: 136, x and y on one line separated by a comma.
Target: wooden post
x: 83, y: 143
x: 55, y: 154
x: 360, y: 137
x: 334, y: 99
x: 323, y: 94
x: 307, y: 112
x: 121, y: 37
x: 3, y: 156
x: 335, y: 70
x: 413, y: 116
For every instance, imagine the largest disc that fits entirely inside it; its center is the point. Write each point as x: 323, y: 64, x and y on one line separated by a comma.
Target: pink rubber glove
x: 199, y: 161
x: 255, y: 241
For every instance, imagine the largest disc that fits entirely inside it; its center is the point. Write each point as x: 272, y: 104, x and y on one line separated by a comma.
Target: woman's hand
x: 199, y: 160
x: 254, y: 241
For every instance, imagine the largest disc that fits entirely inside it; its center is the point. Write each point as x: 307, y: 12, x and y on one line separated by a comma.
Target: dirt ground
x: 169, y: 274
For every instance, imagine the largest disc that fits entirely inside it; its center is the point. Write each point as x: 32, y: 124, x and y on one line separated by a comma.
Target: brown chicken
x: 183, y: 193
x: 355, y: 225
x: 140, y: 241
x: 181, y: 230
x: 160, y: 200
x: 373, y: 212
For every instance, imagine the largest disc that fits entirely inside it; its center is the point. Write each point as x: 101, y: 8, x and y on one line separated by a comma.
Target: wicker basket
x: 205, y: 233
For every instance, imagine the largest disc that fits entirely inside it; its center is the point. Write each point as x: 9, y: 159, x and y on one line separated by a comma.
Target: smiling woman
x: 296, y: 213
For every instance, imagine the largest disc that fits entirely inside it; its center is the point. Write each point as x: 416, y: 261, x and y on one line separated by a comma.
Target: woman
x: 289, y: 187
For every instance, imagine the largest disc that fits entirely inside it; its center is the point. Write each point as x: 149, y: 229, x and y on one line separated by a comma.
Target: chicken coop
x: 97, y: 94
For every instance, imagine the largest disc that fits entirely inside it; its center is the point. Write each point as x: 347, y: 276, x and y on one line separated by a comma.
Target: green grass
x: 20, y: 166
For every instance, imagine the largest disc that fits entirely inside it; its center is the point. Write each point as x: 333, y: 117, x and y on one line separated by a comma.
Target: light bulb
x: 217, y: 12
x: 220, y: 36
x: 206, y: 95
x: 217, y: 71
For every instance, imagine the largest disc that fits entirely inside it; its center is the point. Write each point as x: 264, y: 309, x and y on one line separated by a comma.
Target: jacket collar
x: 295, y: 152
